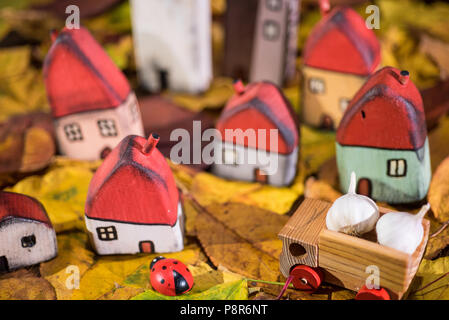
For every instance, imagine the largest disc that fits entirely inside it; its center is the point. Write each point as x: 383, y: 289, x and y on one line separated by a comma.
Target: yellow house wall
x: 336, y: 86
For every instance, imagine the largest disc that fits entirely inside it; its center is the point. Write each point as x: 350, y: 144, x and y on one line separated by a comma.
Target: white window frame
x: 397, y: 168
x: 312, y: 86
x: 226, y: 153
x: 107, y: 233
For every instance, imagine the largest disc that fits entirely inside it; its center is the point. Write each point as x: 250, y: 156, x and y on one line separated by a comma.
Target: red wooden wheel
x: 372, y: 294
x: 306, y: 278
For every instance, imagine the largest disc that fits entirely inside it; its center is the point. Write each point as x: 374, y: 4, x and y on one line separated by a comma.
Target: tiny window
x: 271, y: 30
x: 397, y: 168
x: 274, y: 5
x: 107, y: 127
x: 28, y: 241
x: 107, y: 233
x: 344, y: 104
x: 229, y: 156
x: 316, y: 85
x: 73, y: 132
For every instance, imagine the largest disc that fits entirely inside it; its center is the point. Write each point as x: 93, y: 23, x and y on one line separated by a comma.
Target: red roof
x: 342, y: 42
x: 261, y: 105
x: 18, y: 205
x: 134, y: 187
x: 80, y: 76
x: 385, y: 114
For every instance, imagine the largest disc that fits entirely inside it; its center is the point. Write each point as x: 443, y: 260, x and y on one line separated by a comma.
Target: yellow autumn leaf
x: 111, y: 272
x: 63, y: 193
x: 73, y: 260
x: 237, y: 290
x: 216, y: 97
x: 429, y: 271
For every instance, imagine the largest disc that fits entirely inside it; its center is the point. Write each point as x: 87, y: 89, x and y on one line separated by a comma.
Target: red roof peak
x: 387, y: 112
x: 80, y: 76
x: 341, y: 42
x: 261, y: 105
x: 18, y: 205
x: 144, y: 181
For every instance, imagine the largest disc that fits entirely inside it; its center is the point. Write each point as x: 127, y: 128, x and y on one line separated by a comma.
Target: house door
x: 163, y: 79
x: 4, y: 264
x: 260, y: 176
x: 364, y: 187
x: 146, y: 246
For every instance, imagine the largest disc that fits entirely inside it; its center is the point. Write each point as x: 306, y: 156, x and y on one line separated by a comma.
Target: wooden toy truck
x: 311, y: 254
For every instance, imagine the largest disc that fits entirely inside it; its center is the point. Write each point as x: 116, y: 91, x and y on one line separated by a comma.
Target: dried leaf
x: 26, y: 287
x: 224, y: 247
x: 219, y: 92
x: 63, y: 192
x: 72, y: 252
x: 438, y: 195
x: 257, y: 226
x: 430, y: 271
x: 227, y: 291
x: 111, y: 272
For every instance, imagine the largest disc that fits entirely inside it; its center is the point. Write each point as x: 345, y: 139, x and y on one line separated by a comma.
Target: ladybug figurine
x: 170, y: 276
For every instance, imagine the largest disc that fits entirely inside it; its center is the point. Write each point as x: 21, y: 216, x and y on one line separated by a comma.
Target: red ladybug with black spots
x: 170, y: 276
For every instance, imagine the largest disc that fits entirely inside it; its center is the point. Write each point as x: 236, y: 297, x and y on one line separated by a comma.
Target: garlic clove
x: 352, y: 213
x: 401, y: 230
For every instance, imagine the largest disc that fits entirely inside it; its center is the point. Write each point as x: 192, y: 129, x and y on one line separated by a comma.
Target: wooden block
x: 240, y: 19
x: 260, y: 41
x: 300, y: 236
x: 259, y: 108
x: 345, y: 258
x: 172, y: 44
x: 92, y: 103
x: 383, y: 139
x: 27, y: 236
x: 132, y: 203
x: 330, y: 77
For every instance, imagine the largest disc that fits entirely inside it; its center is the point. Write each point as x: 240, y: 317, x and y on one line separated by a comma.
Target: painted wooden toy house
x: 92, y: 103
x: 383, y: 139
x: 340, y: 53
x: 261, y: 37
x: 133, y: 204
x: 172, y: 42
x: 259, y: 136
x: 27, y: 236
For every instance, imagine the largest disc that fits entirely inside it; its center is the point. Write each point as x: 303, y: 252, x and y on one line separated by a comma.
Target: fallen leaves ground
x: 231, y: 243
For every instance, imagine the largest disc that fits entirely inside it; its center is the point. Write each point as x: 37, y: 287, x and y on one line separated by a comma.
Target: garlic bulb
x: 401, y: 230
x: 352, y: 213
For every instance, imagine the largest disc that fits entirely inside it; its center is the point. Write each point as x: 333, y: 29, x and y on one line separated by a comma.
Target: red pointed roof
x: 133, y: 186
x: 80, y: 76
x: 342, y: 42
x: 17, y: 205
x: 385, y: 113
x: 261, y: 105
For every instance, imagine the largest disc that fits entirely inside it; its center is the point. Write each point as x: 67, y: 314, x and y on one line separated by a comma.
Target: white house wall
x: 11, y: 233
x: 174, y: 36
x: 164, y: 238
x: 127, y: 120
x: 283, y: 176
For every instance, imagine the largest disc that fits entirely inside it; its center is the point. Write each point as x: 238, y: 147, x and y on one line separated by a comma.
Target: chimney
x: 150, y: 144
x: 324, y: 7
x: 239, y: 87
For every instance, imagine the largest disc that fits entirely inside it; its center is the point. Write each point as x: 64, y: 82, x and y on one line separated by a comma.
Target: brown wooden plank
x: 303, y: 229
